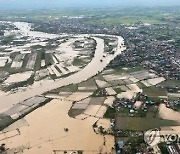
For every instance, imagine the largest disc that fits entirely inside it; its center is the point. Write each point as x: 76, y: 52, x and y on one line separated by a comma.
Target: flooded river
x: 97, y: 64
x: 45, y: 128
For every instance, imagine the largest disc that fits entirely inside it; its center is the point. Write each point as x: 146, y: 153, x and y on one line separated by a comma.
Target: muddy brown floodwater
x: 167, y: 113
x: 93, y: 68
x: 45, y: 132
x: 50, y: 128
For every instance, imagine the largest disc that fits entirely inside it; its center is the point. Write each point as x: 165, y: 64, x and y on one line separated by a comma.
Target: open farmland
x: 18, y: 61
x: 72, y: 74
x: 47, y: 55
x: 141, y: 124
x: 88, y: 81
x: 31, y: 62
x: 15, y: 78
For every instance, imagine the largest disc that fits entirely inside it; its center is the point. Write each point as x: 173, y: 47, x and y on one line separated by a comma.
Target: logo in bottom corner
x: 152, y: 137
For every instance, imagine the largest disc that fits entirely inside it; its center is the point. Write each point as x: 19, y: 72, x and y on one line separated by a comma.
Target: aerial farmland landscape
x: 89, y: 77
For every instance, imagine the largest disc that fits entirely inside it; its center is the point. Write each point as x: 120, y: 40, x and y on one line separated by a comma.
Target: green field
x: 142, y: 124
x: 102, y: 16
x: 170, y: 83
x: 88, y: 83
x: 128, y: 20
x: 120, y: 70
x: 78, y: 62
x: 69, y: 88
x: 5, y: 121
x: 153, y: 93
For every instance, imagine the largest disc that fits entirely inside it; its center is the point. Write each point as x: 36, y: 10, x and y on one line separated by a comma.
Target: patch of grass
x: 118, y: 90
x: 5, y: 121
x: 116, y: 82
x: 153, y: 93
x: 88, y: 83
x: 69, y: 88
x: 110, y: 113
x: 120, y: 70
x: 127, y: 81
x: 152, y: 112
x: 48, y: 59
x: 142, y: 124
x: 141, y: 113
x: 99, y: 77
x: 80, y: 151
x: 140, y: 85
x: 78, y: 62
x: 75, y: 112
x: 170, y: 83
x: 37, y: 65
x: 124, y: 112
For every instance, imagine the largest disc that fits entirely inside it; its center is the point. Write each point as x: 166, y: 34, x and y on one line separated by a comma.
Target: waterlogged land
x: 24, y: 135
x: 90, y: 70
x: 46, y: 132
x: 88, y: 101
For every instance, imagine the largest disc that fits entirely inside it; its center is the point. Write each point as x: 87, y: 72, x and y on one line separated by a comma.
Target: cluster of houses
x: 166, y: 148
x: 147, y: 46
x: 173, y: 104
x: 146, y: 50
x: 138, y: 102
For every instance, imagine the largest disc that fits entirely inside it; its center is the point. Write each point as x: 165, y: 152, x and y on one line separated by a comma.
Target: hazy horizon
x: 45, y: 4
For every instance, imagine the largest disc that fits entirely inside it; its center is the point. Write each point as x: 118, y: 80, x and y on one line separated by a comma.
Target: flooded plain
x: 49, y: 128
x: 167, y: 113
x: 46, y: 132
x: 97, y: 65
